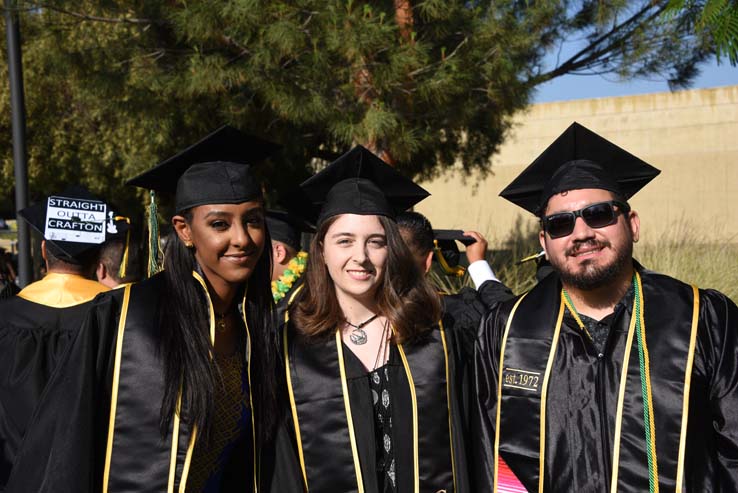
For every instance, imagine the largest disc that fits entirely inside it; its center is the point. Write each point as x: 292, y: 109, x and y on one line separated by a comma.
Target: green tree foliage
x: 717, y: 19
x: 113, y: 86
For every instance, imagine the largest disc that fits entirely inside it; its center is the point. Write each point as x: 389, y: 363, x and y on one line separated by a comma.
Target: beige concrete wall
x: 691, y: 136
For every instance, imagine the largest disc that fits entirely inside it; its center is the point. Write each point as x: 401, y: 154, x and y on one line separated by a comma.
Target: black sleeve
x: 492, y: 293
x: 718, y: 343
x: 281, y: 470
x: 484, y: 405
x: 64, y: 448
x: 463, y: 311
x: 280, y: 462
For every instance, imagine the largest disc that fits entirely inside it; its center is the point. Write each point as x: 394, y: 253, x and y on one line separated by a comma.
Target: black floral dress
x: 379, y: 384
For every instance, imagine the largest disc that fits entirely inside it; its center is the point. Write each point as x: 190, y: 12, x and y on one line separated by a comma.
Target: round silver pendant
x: 358, y: 337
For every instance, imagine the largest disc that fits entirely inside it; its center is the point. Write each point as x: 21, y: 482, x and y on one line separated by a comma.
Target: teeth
x: 586, y: 252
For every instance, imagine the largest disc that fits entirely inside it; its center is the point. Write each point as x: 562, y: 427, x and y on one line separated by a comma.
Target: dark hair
x: 84, y: 264
x: 111, y: 256
x: 404, y: 295
x: 187, y: 350
x: 420, y: 229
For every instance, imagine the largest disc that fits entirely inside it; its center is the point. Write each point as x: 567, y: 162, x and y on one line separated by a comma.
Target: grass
x: 679, y: 253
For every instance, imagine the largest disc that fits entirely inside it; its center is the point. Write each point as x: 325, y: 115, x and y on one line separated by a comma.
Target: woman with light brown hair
x: 374, y: 379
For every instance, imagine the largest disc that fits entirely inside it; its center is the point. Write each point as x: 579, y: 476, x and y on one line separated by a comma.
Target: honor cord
x: 648, y: 418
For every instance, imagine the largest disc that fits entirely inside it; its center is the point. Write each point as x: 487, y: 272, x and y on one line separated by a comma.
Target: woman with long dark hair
x: 373, y: 376
x: 170, y: 385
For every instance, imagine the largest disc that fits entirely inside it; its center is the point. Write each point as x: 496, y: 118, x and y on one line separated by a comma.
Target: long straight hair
x: 404, y: 295
x: 188, y: 352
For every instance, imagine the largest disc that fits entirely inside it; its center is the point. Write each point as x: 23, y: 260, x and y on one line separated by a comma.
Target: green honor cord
x: 648, y: 418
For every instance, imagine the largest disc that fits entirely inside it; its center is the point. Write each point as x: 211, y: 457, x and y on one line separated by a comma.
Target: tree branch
x: 445, y: 59
x: 576, y: 61
x: 94, y: 18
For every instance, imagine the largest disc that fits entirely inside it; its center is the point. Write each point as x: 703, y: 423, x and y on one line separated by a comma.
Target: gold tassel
x: 124, y: 261
x: 457, y: 271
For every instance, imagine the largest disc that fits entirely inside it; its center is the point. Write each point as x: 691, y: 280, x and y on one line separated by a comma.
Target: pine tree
x: 114, y: 86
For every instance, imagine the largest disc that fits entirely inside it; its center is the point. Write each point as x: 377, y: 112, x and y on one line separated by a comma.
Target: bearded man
x: 605, y: 376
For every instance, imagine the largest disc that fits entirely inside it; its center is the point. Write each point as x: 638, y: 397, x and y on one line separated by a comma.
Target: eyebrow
x: 352, y: 235
x: 217, y: 213
x: 255, y: 211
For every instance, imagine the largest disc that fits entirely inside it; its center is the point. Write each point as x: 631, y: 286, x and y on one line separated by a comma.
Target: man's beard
x: 591, y: 276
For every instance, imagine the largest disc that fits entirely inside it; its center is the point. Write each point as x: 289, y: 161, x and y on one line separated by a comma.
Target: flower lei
x: 294, y: 270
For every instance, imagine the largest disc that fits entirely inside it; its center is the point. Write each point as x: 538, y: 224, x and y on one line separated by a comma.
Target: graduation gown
x: 35, y: 329
x: 565, y: 417
x: 464, y: 310
x: 332, y: 426
x: 103, y: 433
x: 284, y: 304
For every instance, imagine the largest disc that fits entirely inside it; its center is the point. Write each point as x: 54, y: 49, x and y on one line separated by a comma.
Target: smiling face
x: 590, y: 258
x: 228, y: 240
x: 355, y: 253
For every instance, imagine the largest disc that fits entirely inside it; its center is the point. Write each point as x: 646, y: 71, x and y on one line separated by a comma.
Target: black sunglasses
x: 596, y: 215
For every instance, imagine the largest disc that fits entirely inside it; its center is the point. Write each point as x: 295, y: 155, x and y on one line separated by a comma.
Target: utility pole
x: 18, y: 111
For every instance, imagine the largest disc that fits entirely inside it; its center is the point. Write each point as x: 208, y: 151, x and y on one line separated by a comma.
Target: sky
x: 570, y: 87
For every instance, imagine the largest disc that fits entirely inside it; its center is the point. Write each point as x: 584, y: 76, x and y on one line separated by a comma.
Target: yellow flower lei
x: 292, y: 273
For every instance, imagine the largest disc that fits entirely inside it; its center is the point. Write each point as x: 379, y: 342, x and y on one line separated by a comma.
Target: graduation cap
x: 286, y: 227
x: 578, y: 158
x: 446, y: 252
x: 215, y: 170
x: 75, y: 223
x: 358, y: 182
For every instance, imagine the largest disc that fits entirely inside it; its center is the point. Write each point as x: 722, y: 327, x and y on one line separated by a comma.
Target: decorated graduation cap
x: 214, y: 170
x: 287, y: 227
x: 446, y: 251
x: 358, y: 182
x: 75, y: 223
x: 577, y: 159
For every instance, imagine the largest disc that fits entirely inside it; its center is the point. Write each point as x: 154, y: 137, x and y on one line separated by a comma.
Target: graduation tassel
x: 153, y: 236
x: 124, y: 261
x: 457, y: 271
x: 535, y: 257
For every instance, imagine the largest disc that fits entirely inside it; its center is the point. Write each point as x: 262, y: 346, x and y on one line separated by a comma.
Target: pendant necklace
x: 358, y: 336
x: 220, y: 323
x: 382, y: 350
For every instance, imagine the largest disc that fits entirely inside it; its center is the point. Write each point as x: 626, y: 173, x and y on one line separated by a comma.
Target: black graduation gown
x: 331, y: 433
x: 693, y: 344
x: 103, y: 433
x: 35, y: 329
x: 283, y: 305
x: 464, y: 310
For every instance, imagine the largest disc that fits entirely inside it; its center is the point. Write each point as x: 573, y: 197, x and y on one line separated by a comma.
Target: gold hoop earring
x: 188, y: 244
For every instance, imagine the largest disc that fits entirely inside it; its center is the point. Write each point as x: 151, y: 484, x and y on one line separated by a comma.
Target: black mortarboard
x: 74, y: 222
x: 578, y: 158
x: 213, y: 171
x: 359, y: 182
x: 286, y: 227
x: 447, y: 252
